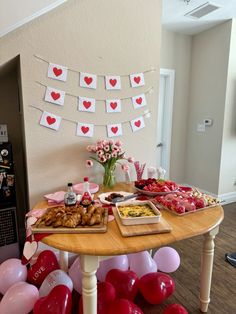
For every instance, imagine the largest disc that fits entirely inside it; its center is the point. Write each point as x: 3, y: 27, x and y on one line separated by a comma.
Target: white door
x: 164, y: 119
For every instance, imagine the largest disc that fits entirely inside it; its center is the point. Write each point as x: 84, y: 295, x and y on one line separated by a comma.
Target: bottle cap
x: 86, y: 179
x: 69, y: 184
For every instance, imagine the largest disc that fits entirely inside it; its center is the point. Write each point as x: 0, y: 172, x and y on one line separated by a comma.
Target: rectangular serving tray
x: 101, y: 228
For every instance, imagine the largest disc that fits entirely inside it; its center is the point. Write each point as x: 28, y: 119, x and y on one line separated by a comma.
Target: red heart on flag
x: 50, y: 120
x: 137, y: 123
x: 85, y: 129
x: 113, y: 105
x: 114, y: 129
x: 86, y: 104
x: 57, y: 71
x: 55, y: 95
x: 113, y: 82
x: 139, y: 100
x: 88, y: 80
x: 137, y: 79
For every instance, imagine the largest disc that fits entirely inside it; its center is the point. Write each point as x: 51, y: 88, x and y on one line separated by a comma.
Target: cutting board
x: 130, y: 231
x: 101, y: 228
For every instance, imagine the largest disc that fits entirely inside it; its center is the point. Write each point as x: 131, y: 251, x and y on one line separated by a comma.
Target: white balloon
x: 142, y: 263
x: 55, y: 278
x: 19, y: 298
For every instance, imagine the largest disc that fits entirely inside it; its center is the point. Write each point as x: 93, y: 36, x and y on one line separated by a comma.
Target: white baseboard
x: 228, y: 198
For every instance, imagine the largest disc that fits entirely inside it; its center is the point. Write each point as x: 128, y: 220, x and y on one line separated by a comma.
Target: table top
x: 112, y: 243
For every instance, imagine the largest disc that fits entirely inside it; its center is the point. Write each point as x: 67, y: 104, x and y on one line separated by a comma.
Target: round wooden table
x: 94, y: 247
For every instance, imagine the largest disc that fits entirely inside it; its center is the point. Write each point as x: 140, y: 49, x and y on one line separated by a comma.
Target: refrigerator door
x: 7, y: 176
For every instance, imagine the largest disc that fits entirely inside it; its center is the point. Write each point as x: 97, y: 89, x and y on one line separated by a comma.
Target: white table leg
x: 89, y: 265
x: 63, y: 260
x: 206, y: 268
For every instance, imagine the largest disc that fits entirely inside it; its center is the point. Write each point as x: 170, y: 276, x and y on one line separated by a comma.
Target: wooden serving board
x: 101, y: 228
x: 135, y: 230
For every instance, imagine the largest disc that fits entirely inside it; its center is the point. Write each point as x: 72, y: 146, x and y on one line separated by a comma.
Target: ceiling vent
x: 202, y: 10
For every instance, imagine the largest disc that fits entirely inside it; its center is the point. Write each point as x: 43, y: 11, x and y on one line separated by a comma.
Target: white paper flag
x: 113, y: 82
x: 85, y: 129
x: 114, y: 130
x: 86, y: 104
x: 137, y: 124
x: 137, y: 80
x: 50, y: 120
x: 113, y: 105
x: 57, y: 72
x: 55, y: 96
x: 88, y: 80
x: 139, y: 101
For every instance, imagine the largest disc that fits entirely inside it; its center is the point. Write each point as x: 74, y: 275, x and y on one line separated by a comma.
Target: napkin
x: 55, y: 198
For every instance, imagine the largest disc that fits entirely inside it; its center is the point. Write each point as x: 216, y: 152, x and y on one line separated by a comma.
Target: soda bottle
x: 86, y: 198
x: 70, y: 196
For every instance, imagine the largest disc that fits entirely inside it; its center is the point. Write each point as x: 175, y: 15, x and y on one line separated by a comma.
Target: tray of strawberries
x: 154, y: 187
x: 185, y: 202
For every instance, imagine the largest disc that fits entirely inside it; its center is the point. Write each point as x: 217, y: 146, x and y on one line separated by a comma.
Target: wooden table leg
x: 206, y: 268
x: 89, y: 265
x: 63, y: 260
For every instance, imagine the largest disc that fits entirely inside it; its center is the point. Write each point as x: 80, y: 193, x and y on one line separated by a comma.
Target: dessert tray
x: 72, y: 219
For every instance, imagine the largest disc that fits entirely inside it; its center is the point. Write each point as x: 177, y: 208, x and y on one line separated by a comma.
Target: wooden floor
x: 223, y: 291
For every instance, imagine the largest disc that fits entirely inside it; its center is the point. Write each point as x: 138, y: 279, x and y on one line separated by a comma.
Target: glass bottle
x: 86, y: 198
x: 70, y: 196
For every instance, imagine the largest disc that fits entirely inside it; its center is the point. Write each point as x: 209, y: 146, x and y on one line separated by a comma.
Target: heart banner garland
x: 55, y: 96
x: 88, y: 80
x: 52, y: 121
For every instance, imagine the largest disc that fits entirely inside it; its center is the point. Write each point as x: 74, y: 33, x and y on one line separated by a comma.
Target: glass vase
x: 109, y: 177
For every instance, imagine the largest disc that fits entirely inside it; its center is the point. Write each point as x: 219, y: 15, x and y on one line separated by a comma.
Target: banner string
x: 99, y: 75
x: 148, y: 91
x: 146, y: 114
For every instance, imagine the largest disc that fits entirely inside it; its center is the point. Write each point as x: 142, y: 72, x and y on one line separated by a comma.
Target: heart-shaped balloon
x: 175, y: 309
x: 59, y: 301
x: 55, y: 278
x: 115, y: 262
x: 45, y: 264
x: 123, y: 306
x: 156, y: 287
x: 142, y: 263
x: 106, y: 294
x: 124, y: 282
x: 19, y: 298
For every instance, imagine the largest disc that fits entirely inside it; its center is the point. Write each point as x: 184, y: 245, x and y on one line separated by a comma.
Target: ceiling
x: 173, y: 14
x: 173, y: 17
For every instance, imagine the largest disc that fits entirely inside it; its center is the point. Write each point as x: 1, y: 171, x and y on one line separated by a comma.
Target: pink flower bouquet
x: 107, y: 153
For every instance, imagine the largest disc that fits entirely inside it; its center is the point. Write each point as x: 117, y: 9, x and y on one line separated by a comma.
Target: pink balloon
x: 142, y: 263
x: 55, y: 278
x: 167, y: 259
x: 75, y: 274
x: 11, y: 272
x: 117, y: 262
x: 19, y: 298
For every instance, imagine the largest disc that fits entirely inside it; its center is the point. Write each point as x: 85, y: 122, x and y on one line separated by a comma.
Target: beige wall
x: 210, y: 52
x: 228, y: 160
x: 103, y: 37
x: 176, y: 55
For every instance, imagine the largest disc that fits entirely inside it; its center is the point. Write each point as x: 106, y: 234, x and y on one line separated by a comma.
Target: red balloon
x: 59, y: 301
x: 125, y: 283
x: 45, y: 264
x: 156, y: 287
x: 106, y: 294
x: 175, y: 309
x: 123, y: 306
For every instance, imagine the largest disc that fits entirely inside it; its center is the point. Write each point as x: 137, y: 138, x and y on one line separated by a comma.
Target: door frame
x: 164, y: 127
